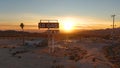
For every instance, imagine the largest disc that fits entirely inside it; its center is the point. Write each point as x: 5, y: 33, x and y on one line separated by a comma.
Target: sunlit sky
x: 86, y: 14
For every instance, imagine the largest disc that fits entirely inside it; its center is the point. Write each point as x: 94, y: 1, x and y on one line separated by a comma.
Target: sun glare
x: 68, y: 25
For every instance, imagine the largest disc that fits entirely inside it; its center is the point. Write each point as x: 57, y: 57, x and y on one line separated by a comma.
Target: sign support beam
x: 51, y: 26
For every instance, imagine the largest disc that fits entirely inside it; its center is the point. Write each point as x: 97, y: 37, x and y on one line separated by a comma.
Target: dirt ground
x: 41, y: 58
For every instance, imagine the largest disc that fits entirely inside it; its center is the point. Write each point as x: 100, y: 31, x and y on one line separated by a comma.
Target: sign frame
x: 48, y: 24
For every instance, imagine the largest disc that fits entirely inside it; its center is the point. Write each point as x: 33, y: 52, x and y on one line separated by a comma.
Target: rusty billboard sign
x: 48, y: 24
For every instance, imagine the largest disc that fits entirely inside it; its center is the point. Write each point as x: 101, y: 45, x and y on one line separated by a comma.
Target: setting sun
x: 68, y: 25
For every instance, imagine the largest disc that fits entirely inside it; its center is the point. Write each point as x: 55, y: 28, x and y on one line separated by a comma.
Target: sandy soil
x: 39, y: 58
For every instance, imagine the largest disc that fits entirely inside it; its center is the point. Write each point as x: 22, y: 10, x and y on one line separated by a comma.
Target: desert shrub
x: 112, y: 53
x: 76, y: 53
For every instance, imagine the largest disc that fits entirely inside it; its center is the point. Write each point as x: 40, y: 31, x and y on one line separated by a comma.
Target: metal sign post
x: 51, y: 26
x: 22, y: 27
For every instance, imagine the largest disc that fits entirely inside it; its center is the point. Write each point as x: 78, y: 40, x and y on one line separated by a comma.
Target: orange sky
x: 84, y: 14
x: 81, y: 23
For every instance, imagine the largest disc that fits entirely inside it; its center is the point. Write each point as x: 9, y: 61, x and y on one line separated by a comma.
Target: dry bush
x: 112, y: 53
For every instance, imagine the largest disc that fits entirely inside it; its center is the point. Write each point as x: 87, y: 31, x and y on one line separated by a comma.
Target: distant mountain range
x: 13, y: 33
x: 86, y: 33
x: 101, y: 33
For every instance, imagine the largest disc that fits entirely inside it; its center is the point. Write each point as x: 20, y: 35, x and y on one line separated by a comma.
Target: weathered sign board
x: 48, y: 24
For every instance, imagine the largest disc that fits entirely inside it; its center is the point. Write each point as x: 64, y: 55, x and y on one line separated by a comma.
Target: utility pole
x: 113, y: 32
x: 113, y: 16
